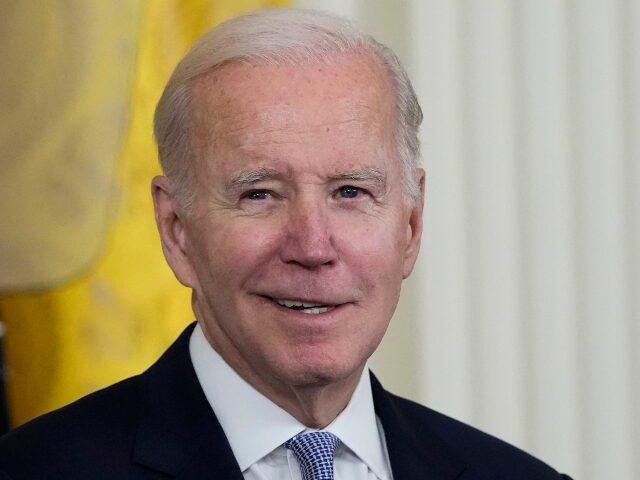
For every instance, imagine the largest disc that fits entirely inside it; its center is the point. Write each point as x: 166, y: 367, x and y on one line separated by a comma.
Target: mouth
x: 303, y: 307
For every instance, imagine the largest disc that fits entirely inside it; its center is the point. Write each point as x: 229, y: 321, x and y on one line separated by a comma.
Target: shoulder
x: 122, y: 431
x: 476, y: 453
x: 97, y: 426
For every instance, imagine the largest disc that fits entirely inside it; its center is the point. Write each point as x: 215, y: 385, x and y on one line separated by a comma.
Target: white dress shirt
x: 256, y: 427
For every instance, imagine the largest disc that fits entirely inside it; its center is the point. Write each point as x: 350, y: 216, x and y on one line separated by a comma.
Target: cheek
x: 378, y: 249
x: 234, y: 250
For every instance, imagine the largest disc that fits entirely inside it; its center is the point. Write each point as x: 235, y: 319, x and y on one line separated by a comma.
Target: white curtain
x: 523, y: 316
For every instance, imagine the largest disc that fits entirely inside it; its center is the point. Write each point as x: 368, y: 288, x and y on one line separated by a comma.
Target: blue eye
x: 257, y: 195
x: 349, y: 191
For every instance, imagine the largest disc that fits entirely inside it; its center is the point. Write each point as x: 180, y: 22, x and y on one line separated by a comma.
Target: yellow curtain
x: 125, y: 307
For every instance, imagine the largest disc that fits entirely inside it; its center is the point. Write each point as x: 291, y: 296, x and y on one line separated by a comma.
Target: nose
x: 308, y: 236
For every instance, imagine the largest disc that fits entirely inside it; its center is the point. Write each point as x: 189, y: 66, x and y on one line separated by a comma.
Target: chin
x: 319, y: 372
x: 312, y: 379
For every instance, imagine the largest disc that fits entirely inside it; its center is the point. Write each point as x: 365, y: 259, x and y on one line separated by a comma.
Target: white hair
x: 276, y: 37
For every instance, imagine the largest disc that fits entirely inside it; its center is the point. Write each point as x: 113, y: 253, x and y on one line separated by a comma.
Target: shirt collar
x: 358, y: 428
x: 255, y: 426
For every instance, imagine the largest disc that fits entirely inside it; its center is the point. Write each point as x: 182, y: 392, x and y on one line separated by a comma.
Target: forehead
x: 345, y: 103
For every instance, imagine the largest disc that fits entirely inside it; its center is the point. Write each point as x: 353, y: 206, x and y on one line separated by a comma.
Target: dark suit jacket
x: 160, y: 425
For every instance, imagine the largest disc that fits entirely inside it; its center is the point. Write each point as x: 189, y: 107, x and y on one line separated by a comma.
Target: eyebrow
x: 371, y: 175
x: 245, y: 178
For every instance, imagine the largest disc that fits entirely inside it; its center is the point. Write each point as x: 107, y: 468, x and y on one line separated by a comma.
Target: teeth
x: 295, y: 303
x: 316, y: 310
x: 304, y: 307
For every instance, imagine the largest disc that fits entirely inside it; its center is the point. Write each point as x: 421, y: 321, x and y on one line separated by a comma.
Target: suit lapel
x: 413, y: 451
x: 178, y: 432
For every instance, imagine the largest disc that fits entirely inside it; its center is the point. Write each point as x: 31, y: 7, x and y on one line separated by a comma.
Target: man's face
x: 300, y: 236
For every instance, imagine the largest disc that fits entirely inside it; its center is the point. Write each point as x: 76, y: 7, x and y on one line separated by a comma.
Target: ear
x: 172, y: 231
x: 414, y: 229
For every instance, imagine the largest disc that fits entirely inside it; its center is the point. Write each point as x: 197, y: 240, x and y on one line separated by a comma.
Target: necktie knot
x: 314, y: 452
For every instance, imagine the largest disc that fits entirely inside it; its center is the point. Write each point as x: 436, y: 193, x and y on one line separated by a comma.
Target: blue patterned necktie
x: 315, y: 452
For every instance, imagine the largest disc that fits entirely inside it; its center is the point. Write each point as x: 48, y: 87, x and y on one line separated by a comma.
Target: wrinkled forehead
x: 349, y: 91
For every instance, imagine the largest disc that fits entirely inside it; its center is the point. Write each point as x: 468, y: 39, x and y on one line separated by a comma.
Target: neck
x: 318, y: 405
x: 314, y: 403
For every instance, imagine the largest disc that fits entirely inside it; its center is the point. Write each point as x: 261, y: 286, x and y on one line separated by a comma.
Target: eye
x: 349, y: 192
x: 257, y: 195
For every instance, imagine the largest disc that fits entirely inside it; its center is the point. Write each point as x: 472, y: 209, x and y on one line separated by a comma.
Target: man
x: 292, y: 207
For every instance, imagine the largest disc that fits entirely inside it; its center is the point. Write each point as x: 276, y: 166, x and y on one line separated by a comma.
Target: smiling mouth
x: 304, y: 307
